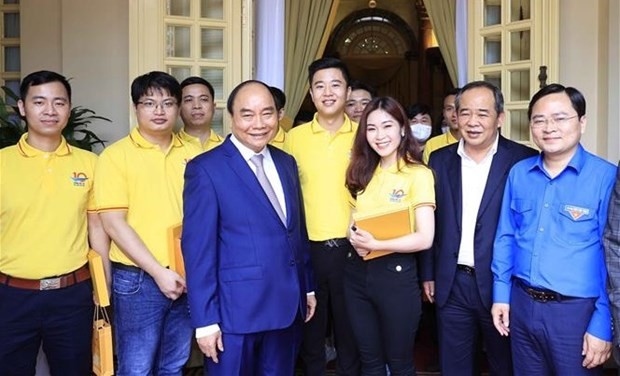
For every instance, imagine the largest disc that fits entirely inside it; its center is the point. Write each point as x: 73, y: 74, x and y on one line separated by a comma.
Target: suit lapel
x: 455, y: 179
x: 287, y: 185
x: 499, y: 167
x: 247, y: 177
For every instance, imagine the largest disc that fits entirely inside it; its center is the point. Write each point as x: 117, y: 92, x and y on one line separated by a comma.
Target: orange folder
x: 97, y: 275
x: 175, y: 257
x: 385, y: 224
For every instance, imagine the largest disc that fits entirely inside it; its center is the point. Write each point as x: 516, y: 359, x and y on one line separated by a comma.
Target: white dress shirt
x: 473, y: 181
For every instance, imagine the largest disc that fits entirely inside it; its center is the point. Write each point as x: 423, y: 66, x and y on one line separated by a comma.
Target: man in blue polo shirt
x: 548, y: 262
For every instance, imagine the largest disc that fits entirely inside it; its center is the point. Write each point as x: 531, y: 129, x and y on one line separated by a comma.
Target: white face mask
x: 421, y: 131
x: 445, y: 129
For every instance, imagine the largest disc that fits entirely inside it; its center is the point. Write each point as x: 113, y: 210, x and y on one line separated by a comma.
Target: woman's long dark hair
x: 364, y: 160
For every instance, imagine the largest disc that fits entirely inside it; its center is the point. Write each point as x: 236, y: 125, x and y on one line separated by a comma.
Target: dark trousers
x: 547, y: 338
x: 384, y: 304
x: 328, y: 263
x: 270, y: 353
x: 59, y: 319
x: 459, y: 322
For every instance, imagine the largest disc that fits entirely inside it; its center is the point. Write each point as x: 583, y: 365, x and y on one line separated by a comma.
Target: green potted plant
x: 12, y: 125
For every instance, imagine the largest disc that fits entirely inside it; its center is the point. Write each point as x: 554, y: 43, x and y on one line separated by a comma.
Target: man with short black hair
x: 549, y: 291
x: 322, y: 148
x: 139, y: 194
x: 197, y: 109
x: 48, y: 221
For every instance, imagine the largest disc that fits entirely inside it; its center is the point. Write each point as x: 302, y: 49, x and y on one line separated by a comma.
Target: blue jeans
x: 152, y: 332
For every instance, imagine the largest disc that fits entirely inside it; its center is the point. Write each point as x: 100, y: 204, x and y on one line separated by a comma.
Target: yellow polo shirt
x: 137, y: 176
x: 213, y: 140
x: 44, y: 199
x: 279, y: 139
x: 323, y: 159
x: 411, y: 185
x: 437, y: 142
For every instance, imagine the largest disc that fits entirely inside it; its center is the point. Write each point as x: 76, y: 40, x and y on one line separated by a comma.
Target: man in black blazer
x: 456, y: 271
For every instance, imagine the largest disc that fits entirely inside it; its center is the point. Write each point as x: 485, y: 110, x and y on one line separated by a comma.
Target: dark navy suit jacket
x: 246, y: 270
x: 439, y: 263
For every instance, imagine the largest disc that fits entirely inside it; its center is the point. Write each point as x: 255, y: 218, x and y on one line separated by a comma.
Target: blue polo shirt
x: 550, y: 232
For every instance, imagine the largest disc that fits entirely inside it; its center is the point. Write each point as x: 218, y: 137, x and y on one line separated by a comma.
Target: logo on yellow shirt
x: 397, y: 195
x: 79, y: 179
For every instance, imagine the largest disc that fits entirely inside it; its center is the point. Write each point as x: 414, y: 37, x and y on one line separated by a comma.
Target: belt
x: 332, y: 243
x: 129, y: 268
x: 467, y: 269
x: 543, y: 295
x: 53, y: 283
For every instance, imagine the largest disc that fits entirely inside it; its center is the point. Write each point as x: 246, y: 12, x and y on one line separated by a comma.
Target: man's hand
x: 210, y: 345
x: 170, y: 283
x: 501, y: 318
x: 310, y: 307
x: 595, y: 351
x: 429, y: 290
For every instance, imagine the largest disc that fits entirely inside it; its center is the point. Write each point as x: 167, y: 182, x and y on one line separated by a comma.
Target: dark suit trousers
x: 328, y: 263
x: 460, y: 320
x: 384, y: 304
x: 270, y: 353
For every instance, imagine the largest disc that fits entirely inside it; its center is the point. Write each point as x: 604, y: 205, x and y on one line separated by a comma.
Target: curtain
x: 308, y: 25
x: 443, y: 18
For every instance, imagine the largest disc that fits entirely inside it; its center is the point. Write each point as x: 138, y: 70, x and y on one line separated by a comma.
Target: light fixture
x: 372, y: 4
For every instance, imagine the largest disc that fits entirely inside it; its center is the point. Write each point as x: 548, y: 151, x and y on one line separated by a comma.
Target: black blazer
x: 439, y: 263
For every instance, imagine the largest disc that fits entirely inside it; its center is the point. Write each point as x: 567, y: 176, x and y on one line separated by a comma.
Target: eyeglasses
x: 540, y: 121
x: 166, y: 105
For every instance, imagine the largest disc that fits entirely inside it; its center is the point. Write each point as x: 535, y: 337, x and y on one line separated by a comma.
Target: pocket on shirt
x: 522, y: 212
x: 576, y: 225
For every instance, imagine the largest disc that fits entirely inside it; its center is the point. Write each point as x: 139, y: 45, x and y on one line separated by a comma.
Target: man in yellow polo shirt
x: 139, y: 188
x: 322, y: 149
x: 47, y: 218
x: 280, y: 99
x: 452, y: 135
x: 197, y: 109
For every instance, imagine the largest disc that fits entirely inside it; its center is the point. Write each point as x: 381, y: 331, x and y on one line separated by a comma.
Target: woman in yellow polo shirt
x: 382, y: 293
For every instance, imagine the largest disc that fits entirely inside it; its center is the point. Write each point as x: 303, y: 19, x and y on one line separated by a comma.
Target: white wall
x: 588, y: 38
x: 613, y: 90
x: 87, y: 41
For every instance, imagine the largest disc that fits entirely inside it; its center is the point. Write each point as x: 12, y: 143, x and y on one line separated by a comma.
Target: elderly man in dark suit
x: 245, y: 245
x: 456, y: 271
x: 611, y: 241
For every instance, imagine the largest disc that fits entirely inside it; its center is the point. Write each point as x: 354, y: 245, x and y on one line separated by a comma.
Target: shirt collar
x: 461, y: 148
x: 28, y: 150
x: 246, y: 152
x: 346, y: 127
x: 142, y: 142
x: 213, y: 137
x: 280, y: 136
x: 576, y: 162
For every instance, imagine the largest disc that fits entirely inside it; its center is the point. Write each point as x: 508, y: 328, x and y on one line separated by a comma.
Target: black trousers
x: 328, y: 263
x: 384, y: 304
x: 61, y: 320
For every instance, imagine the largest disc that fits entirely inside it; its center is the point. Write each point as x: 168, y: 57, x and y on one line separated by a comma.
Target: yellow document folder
x: 174, y: 249
x: 385, y: 224
x: 97, y: 275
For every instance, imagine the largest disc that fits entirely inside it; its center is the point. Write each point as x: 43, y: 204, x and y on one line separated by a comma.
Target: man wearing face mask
x: 420, y: 122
